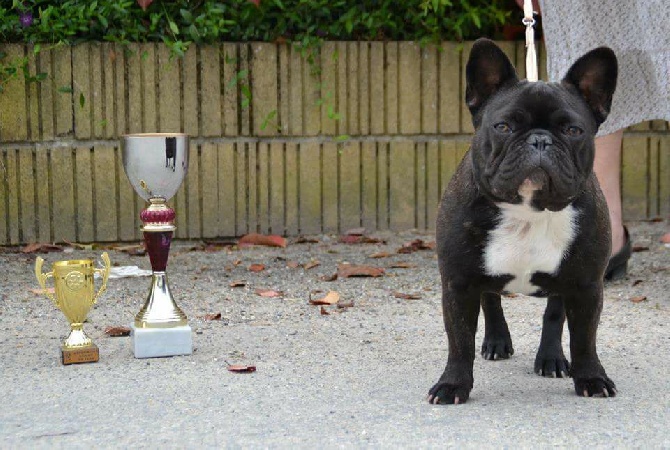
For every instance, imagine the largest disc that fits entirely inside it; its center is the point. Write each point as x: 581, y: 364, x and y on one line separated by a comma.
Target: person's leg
x: 607, y: 166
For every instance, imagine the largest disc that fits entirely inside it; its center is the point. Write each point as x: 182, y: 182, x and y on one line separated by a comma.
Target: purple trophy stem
x: 158, y: 220
x: 158, y: 247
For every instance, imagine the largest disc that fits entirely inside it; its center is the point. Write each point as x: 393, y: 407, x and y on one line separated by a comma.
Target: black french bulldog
x: 524, y: 213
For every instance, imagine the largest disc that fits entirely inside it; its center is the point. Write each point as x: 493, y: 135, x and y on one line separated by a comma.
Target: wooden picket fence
x: 362, y: 134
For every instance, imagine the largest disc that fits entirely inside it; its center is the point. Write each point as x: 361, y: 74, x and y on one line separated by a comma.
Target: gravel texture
x: 357, y: 377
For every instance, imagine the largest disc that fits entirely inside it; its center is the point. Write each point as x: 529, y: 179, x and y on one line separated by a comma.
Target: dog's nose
x: 539, y: 141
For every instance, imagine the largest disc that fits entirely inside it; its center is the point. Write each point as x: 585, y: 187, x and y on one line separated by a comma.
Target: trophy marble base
x: 87, y: 354
x: 160, y: 342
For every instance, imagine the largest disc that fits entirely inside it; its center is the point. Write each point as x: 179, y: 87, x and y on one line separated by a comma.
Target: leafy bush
x: 178, y: 23
x: 181, y: 22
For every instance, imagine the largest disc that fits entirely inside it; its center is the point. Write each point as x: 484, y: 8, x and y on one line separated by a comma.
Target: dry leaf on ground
x: 80, y: 246
x: 407, y: 296
x: 41, y: 247
x: 415, y: 245
x: 217, y: 246
x: 665, y: 238
x: 638, y: 298
x: 380, y: 255
x: 216, y: 316
x: 240, y: 368
x: 401, y: 265
x: 131, y: 249
x: 292, y: 264
x: 353, y: 270
x: 238, y: 283
x: 331, y: 298
x: 117, y: 331
x: 270, y: 240
x: 311, y: 265
x: 324, y: 311
x: 639, y: 248
x: 256, y: 267
x: 332, y: 277
x: 269, y: 293
x: 357, y: 239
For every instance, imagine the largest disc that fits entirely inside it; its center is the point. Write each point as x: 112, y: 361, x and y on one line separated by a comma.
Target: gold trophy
x: 75, y: 296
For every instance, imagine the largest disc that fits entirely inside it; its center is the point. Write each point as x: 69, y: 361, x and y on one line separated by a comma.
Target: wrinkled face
x: 534, y: 144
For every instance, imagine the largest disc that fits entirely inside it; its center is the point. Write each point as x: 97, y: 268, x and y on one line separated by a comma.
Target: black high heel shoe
x: 617, y: 267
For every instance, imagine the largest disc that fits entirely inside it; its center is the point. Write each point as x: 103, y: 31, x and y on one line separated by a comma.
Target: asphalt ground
x: 356, y: 377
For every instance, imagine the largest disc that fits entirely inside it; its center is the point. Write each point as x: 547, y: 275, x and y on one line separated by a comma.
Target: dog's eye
x: 502, y: 127
x: 573, y: 131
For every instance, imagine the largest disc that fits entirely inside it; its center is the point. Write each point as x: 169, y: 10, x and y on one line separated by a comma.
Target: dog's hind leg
x: 550, y: 360
x: 497, y: 342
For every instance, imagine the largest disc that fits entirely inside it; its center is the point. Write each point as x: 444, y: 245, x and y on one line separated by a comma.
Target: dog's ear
x: 594, y: 75
x: 487, y: 71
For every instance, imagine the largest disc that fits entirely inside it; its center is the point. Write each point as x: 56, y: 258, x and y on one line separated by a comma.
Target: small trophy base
x: 82, y: 355
x: 160, y: 342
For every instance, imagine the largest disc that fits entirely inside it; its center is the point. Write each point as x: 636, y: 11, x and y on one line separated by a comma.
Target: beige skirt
x: 639, y: 33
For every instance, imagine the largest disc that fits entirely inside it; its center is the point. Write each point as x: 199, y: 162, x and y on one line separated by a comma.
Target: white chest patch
x: 527, y: 241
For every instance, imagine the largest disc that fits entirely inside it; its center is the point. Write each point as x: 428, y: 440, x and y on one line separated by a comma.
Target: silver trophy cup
x: 156, y: 164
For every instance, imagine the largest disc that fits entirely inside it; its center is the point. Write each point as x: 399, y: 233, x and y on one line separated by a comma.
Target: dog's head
x: 535, y: 141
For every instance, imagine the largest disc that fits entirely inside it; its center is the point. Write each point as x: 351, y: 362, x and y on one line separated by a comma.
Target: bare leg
x: 607, y: 167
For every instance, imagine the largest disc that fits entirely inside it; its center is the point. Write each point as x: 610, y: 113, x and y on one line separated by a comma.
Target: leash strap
x: 531, y: 55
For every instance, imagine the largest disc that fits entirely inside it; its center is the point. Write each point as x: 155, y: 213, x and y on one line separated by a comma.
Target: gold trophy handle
x: 105, y: 275
x: 42, y: 279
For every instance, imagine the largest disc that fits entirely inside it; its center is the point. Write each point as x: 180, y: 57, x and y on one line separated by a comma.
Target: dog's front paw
x: 448, y: 394
x: 552, y: 365
x: 497, y: 347
x: 595, y: 387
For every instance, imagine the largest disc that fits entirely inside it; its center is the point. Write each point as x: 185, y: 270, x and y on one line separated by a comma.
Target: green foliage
x: 181, y: 22
x: 11, y: 69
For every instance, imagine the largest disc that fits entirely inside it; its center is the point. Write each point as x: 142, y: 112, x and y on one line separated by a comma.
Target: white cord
x: 531, y: 56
